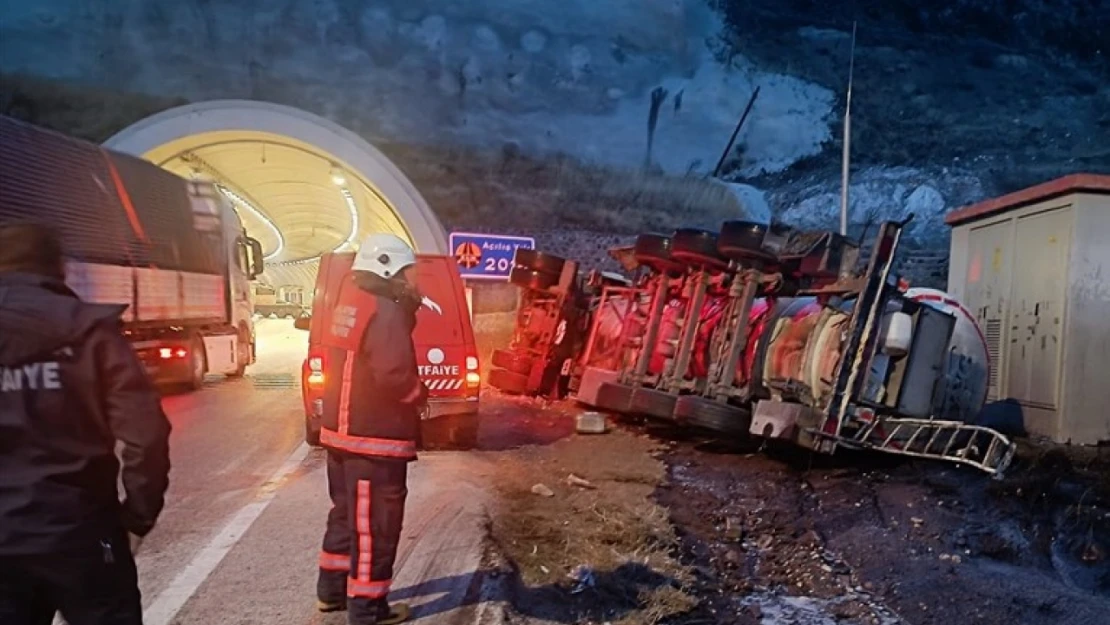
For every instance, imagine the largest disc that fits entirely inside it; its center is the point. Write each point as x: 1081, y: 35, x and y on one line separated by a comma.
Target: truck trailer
x: 173, y: 251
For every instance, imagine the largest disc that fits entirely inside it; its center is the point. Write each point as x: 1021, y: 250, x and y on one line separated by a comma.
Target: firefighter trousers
x: 364, y: 528
x: 97, y: 585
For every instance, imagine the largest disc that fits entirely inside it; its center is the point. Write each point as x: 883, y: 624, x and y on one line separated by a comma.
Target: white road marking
x: 166, y: 606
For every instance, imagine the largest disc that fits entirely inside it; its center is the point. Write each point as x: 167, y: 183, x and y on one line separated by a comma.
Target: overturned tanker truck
x: 779, y: 334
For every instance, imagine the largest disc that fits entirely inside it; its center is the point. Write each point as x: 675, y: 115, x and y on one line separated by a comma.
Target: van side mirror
x: 257, y: 262
x: 302, y: 323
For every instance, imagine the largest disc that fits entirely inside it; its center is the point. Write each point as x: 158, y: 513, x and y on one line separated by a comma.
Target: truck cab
x: 446, y: 352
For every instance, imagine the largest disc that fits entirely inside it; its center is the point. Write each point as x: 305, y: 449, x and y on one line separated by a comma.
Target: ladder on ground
x: 955, y: 441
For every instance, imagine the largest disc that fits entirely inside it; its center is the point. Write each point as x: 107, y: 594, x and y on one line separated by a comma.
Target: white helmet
x: 384, y: 255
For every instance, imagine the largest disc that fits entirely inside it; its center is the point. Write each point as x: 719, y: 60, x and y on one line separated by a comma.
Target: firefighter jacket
x: 374, y: 396
x: 70, y: 388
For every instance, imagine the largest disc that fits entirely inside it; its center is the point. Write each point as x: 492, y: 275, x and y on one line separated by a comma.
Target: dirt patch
x: 689, y: 532
x: 776, y: 540
x: 593, y: 547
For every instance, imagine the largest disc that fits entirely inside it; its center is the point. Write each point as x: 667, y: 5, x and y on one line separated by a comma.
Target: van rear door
x: 444, y: 340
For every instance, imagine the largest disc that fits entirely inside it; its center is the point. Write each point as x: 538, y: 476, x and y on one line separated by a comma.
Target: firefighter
x: 370, y: 427
x: 70, y: 388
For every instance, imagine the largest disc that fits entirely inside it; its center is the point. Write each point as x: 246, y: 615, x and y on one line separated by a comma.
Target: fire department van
x: 446, y: 353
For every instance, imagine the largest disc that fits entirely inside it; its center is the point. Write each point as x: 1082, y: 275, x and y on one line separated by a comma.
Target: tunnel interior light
x: 352, y: 208
x: 242, y: 202
x: 337, y: 176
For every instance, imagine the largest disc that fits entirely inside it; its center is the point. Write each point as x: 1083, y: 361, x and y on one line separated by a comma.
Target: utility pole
x: 844, y: 158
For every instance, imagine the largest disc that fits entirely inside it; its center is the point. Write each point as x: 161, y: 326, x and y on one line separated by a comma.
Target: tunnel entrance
x: 303, y: 185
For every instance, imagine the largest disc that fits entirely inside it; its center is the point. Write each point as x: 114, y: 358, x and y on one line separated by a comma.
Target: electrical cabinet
x: 1033, y: 267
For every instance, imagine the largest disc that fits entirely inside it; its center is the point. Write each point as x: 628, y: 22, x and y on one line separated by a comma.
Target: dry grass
x: 615, y: 529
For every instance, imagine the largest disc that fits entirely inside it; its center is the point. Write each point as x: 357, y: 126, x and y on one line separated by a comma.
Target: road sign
x: 486, y: 256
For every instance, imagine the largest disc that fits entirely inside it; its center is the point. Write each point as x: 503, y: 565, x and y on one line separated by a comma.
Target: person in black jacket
x: 71, y: 388
x: 370, y: 427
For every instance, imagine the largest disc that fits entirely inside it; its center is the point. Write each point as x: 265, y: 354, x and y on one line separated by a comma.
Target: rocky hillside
x: 954, y: 100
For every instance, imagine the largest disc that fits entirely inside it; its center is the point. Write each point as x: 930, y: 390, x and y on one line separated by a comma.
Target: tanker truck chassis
x: 776, y: 335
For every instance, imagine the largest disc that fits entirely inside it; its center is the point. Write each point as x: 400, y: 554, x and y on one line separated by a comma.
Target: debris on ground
x: 574, y: 480
x: 592, y: 423
x: 543, y: 491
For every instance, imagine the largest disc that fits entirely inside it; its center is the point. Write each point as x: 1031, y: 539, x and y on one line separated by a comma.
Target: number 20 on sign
x: 486, y: 256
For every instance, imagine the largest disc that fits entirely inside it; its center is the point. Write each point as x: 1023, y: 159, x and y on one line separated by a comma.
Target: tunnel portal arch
x: 166, y: 135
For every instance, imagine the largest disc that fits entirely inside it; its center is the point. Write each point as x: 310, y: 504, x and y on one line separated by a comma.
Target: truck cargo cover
x: 109, y: 208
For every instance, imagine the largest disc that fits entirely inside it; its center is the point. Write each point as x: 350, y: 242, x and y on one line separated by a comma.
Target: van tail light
x: 315, y: 378
x: 473, y: 378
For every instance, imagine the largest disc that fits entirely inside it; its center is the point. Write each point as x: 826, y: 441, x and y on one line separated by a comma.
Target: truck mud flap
x: 714, y: 416
x: 653, y: 403
x: 614, y: 397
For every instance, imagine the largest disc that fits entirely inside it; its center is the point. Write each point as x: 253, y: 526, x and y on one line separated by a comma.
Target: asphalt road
x: 239, y: 538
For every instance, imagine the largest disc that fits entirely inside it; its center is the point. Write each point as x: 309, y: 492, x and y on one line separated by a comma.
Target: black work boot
x: 331, y: 591
x: 377, y: 612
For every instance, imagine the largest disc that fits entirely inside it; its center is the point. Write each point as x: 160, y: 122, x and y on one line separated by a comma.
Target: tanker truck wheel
x: 538, y: 261
x: 511, y: 361
x: 508, y: 382
x: 698, y: 248
x: 706, y: 414
x: 533, y: 279
x: 742, y: 240
x: 654, y: 250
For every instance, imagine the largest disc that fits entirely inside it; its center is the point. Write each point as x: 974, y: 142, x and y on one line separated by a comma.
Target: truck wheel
x: 714, y: 416
x: 654, y: 250
x: 698, y: 248
x: 508, y: 382
x: 511, y: 361
x: 538, y: 261
x: 653, y: 403
x: 532, y: 279
x: 198, y: 364
x: 311, y: 432
x: 742, y: 240
x: 243, y: 353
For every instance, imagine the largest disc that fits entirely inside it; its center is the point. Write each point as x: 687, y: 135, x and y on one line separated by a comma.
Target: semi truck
x: 173, y: 251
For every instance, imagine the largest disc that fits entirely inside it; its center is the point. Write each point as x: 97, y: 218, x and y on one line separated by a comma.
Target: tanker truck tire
x: 511, y: 361
x: 652, y: 403
x: 508, y: 382
x: 742, y: 240
x: 533, y: 279
x: 706, y: 414
x: 538, y: 261
x: 697, y: 248
x: 654, y: 250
